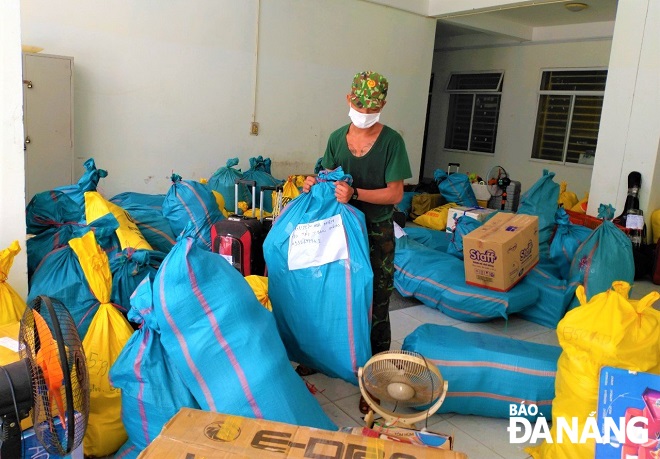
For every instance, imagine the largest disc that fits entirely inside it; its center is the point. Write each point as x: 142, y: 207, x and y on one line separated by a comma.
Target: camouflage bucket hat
x: 368, y: 90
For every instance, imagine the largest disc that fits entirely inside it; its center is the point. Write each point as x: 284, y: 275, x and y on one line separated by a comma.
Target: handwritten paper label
x: 398, y: 231
x: 317, y: 243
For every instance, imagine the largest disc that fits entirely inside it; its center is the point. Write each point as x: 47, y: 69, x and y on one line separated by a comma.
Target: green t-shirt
x: 386, y: 161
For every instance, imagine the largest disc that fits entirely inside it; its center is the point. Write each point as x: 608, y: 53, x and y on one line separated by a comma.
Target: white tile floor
x: 478, y: 437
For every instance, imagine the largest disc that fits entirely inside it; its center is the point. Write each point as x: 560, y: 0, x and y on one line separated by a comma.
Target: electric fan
x: 49, y: 383
x: 405, y: 379
x: 498, y: 180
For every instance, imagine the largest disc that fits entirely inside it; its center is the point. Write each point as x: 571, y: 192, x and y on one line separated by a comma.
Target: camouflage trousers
x: 381, y: 254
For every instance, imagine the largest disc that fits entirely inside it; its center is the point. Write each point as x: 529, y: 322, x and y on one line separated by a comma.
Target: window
x: 474, y: 108
x: 570, y: 105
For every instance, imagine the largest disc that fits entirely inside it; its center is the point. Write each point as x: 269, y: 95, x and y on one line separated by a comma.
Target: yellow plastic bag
x: 128, y: 232
x: 12, y: 305
x: 581, y: 206
x: 106, y: 337
x: 609, y: 330
x: 259, y: 285
x: 220, y: 200
x: 568, y: 199
x: 435, y: 218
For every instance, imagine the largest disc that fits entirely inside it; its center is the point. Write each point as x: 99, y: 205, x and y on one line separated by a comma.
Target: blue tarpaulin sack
x: 146, y: 210
x: 129, y: 268
x: 151, y: 389
x: 604, y: 257
x: 323, y: 308
x: 191, y: 201
x: 464, y: 225
x: 39, y: 246
x: 437, y: 279
x: 60, y: 276
x: 51, y: 209
x: 429, y: 237
x: 541, y: 200
x: 566, y: 241
x: 455, y: 188
x: 224, y: 343
x: 224, y: 182
x: 88, y: 182
x: 259, y: 172
x: 487, y: 373
x: 555, y: 294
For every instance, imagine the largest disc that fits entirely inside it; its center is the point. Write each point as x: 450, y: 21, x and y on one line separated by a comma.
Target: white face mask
x: 363, y: 120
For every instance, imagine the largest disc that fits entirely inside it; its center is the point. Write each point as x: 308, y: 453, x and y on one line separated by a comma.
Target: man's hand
x: 343, y: 192
x: 310, y: 180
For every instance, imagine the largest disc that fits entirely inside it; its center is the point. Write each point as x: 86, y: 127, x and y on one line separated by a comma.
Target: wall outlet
x: 254, y: 128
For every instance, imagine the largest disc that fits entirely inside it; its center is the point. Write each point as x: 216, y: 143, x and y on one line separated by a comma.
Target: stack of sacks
x: 146, y: 210
x: 607, y: 330
x: 191, y: 202
x: 437, y: 279
x: 151, y: 389
x: 223, y: 343
x: 12, y: 305
x: 322, y: 298
x: 488, y: 373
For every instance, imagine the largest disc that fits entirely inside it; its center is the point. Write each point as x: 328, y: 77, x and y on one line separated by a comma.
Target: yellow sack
x: 96, y: 206
x: 568, y: 199
x: 106, y: 337
x: 435, y: 218
x: 259, y: 285
x: 290, y: 190
x: 220, y: 200
x: 655, y: 225
x: 423, y: 202
x: 256, y: 213
x: 12, y: 305
x: 581, y: 206
x: 609, y: 330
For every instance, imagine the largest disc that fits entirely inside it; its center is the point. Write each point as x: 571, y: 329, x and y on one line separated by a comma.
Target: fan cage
x: 492, y: 180
x: 406, y: 367
x: 58, y: 428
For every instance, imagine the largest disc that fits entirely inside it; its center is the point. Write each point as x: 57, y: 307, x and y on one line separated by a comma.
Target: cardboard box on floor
x: 193, y: 434
x: 499, y: 253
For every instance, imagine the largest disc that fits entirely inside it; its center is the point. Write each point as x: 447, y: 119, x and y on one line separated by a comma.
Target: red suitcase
x: 239, y: 239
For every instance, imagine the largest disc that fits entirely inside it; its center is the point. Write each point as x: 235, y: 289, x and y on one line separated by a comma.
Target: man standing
x: 375, y: 156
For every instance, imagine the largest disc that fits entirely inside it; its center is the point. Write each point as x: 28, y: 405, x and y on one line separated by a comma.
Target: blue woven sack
x: 259, y: 171
x: 87, y: 182
x: 306, y: 300
x: 129, y: 268
x: 455, y: 188
x: 224, y: 343
x: 464, y: 225
x: 566, y: 241
x: 488, y: 373
x: 191, y: 201
x: 224, y: 182
x: 541, y: 200
x: 151, y: 389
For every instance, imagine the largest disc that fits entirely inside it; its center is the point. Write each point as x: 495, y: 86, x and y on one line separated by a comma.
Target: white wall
x: 522, y: 66
x: 170, y: 86
x: 12, y: 178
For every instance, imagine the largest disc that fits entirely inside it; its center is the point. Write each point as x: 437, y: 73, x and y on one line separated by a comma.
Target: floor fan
x: 49, y: 383
x: 498, y: 181
x: 405, y: 379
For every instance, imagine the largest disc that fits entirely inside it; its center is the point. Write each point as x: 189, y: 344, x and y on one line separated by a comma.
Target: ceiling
x: 521, y: 21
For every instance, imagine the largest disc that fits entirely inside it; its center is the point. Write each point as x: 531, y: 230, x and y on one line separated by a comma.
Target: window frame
x: 474, y: 93
x: 569, y: 122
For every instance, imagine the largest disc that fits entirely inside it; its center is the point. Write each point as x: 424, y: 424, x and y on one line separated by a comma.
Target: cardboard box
x: 624, y: 394
x: 196, y: 434
x: 478, y: 213
x: 499, y: 253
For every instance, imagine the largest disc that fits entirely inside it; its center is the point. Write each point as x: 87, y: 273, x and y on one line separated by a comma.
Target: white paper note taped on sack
x: 317, y: 243
x: 398, y: 231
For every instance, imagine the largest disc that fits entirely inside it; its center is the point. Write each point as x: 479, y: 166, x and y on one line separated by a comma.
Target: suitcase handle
x: 458, y: 165
x: 249, y: 183
x: 277, y: 188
